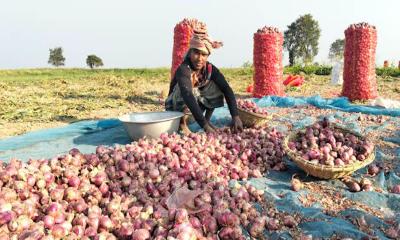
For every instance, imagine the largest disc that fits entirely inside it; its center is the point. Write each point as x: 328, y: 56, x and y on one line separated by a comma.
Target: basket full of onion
x: 252, y: 115
x: 326, y: 150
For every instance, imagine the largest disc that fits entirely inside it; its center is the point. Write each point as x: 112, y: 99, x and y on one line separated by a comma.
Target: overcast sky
x: 129, y: 33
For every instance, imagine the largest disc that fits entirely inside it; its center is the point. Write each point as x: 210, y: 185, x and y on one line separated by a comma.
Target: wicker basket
x: 324, y: 171
x: 250, y: 119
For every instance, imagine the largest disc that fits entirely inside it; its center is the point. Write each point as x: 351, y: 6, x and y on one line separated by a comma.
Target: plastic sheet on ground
x: 373, y: 208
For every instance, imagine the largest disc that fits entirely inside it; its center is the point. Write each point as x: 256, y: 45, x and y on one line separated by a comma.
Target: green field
x: 40, y: 98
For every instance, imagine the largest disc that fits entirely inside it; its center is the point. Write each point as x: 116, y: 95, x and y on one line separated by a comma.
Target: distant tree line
x: 56, y: 58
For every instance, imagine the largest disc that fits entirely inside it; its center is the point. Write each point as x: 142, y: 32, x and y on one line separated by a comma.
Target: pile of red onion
x: 183, y: 32
x: 359, y: 79
x: 250, y: 106
x: 131, y: 192
x: 323, y: 144
x: 267, y: 58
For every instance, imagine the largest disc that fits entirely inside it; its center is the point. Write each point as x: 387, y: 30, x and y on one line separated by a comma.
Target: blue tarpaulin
x: 86, y: 135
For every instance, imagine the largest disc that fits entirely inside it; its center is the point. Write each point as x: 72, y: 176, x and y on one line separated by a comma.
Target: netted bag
x: 359, y: 79
x: 267, y: 58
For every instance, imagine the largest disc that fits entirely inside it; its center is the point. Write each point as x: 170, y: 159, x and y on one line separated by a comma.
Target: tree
x: 247, y: 64
x: 337, y: 49
x: 56, y: 57
x: 94, y: 61
x: 301, y: 39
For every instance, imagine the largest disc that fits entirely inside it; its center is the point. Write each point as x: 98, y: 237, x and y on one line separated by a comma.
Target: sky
x: 137, y: 34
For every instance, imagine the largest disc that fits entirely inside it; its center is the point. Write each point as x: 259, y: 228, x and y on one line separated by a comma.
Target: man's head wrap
x: 201, y: 41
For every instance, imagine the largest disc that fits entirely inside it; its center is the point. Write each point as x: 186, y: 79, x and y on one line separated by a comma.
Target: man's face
x: 198, y: 58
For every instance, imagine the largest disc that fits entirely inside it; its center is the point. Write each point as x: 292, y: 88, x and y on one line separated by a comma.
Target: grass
x: 40, y: 98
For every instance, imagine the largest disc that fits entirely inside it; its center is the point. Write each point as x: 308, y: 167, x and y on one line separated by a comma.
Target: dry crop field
x: 34, y: 99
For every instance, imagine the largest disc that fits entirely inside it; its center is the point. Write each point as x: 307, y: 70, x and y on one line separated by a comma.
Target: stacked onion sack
x: 359, y: 80
x: 267, y: 58
x: 174, y: 186
x: 183, y: 32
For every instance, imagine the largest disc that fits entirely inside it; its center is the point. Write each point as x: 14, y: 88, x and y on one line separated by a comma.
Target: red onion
x: 78, y: 230
x: 106, y: 223
x: 103, y: 188
x: 210, y: 225
x: 53, y: 209
x: 289, y: 221
x: 154, y: 173
x: 353, y: 186
x: 126, y: 181
x: 195, y: 222
x: 48, y: 221
x: 225, y: 233
x: 80, y: 220
x: 41, y: 183
x: 392, y: 232
x: 57, y: 194
x: 67, y: 226
x: 48, y: 177
x: 90, y: 232
x: 141, y: 234
x: 6, y: 217
x: 181, y: 216
x: 93, y: 222
x: 58, y: 231
x: 59, y: 217
x: 31, y: 180
x: 123, y: 165
x: 228, y: 219
x: 373, y: 169
x: 273, y: 224
x: 80, y: 206
x: 125, y: 230
x: 257, y: 227
x: 99, y: 178
x: 396, y: 189
x: 74, y: 181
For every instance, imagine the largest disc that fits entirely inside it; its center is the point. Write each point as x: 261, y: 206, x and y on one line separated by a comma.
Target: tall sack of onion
x: 267, y: 58
x: 359, y: 79
x: 183, y: 32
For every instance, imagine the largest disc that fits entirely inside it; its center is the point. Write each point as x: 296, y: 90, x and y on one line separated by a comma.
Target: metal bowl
x: 151, y: 124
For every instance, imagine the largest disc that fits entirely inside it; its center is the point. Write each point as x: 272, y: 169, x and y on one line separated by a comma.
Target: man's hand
x: 237, y: 125
x: 208, y: 128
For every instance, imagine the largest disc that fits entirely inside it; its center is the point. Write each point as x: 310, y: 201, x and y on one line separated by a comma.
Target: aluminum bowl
x: 151, y: 124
